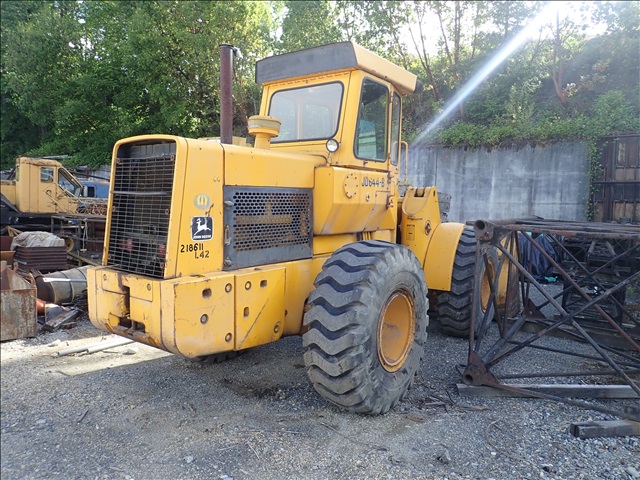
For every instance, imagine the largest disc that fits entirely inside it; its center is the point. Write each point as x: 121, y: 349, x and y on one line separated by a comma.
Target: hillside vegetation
x: 77, y: 76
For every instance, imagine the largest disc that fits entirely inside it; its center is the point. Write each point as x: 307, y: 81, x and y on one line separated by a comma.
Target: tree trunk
x: 557, y: 67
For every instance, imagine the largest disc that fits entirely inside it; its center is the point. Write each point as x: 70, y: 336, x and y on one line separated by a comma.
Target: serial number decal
x: 191, y: 247
x: 196, y: 248
x: 372, y: 182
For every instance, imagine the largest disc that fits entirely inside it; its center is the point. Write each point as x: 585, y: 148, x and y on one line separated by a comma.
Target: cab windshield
x: 70, y: 186
x: 307, y: 113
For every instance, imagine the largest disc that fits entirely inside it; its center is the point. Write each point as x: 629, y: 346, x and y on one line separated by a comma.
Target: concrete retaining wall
x: 550, y: 181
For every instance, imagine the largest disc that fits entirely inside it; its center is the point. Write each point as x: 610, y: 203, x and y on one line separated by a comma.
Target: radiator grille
x: 140, y: 213
x: 266, y: 225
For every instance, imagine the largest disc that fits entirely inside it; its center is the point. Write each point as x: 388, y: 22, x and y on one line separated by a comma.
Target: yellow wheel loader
x: 214, y: 247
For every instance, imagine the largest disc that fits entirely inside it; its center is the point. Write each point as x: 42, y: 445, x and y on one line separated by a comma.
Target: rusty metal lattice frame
x: 599, y: 287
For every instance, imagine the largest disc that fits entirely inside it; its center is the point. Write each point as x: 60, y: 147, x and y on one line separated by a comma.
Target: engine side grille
x: 266, y: 225
x: 140, y: 213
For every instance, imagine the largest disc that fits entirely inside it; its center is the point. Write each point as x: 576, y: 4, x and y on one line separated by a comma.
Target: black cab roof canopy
x: 331, y: 58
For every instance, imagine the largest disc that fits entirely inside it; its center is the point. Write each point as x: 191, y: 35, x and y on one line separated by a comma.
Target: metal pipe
x: 226, y: 92
x: 95, y: 347
x: 62, y: 287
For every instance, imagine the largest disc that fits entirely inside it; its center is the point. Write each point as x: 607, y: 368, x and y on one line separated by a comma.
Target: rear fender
x: 433, y: 243
x: 441, y: 254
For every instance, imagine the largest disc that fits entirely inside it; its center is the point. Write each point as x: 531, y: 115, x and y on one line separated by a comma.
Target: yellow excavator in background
x: 213, y: 247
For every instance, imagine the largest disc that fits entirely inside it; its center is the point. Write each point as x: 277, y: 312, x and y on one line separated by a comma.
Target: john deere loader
x: 213, y: 247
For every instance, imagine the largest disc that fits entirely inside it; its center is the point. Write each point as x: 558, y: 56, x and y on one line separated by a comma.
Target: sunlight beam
x: 505, y: 52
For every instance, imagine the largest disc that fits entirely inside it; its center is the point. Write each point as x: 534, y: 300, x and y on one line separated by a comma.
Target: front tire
x: 454, y: 307
x: 366, y: 326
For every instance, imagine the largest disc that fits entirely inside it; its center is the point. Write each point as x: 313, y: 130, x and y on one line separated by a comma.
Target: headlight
x: 332, y: 145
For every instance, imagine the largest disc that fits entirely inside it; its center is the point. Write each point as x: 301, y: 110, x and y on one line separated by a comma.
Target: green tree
x: 77, y: 76
x: 308, y: 24
x: 88, y: 73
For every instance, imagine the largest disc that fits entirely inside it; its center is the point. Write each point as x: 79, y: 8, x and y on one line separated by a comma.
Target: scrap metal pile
x: 36, y: 287
x: 594, y: 299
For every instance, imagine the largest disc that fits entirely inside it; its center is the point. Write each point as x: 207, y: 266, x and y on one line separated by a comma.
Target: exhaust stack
x: 226, y: 102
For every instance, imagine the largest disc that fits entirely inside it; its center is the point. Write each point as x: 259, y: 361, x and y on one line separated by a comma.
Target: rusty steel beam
x: 503, y: 236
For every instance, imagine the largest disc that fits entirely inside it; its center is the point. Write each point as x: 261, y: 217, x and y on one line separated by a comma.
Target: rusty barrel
x: 62, y: 287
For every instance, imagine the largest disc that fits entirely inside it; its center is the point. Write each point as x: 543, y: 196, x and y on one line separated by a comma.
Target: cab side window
x: 371, y: 130
x: 46, y: 175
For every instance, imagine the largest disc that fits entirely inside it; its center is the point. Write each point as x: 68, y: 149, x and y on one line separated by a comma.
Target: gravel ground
x: 134, y: 412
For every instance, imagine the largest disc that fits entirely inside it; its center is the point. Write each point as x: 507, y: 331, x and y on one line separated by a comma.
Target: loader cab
x: 339, y: 101
x: 45, y: 186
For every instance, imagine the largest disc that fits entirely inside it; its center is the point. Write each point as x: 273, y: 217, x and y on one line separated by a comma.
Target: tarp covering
x: 37, y: 239
x: 535, y: 263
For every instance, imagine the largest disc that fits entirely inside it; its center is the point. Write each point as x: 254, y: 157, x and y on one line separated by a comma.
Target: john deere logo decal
x: 201, y: 228
x: 202, y: 201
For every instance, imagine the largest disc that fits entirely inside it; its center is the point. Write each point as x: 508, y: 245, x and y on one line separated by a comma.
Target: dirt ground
x: 133, y: 412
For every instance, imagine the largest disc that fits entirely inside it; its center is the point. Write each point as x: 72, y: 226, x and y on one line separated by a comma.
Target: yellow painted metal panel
x: 109, y: 280
x: 260, y: 306
x: 8, y: 189
x: 327, y: 244
x: 441, y: 253
x: 420, y: 217
x: 119, y: 300
x: 201, y: 314
x: 269, y: 168
x: 93, y: 293
x: 166, y: 314
x: 141, y: 287
x: 347, y: 201
x: 199, y: 194
x: 300, y: 277
x: 145, y: 313
x: 23, y: 202
x: 434, y: 243
x: 42, y: 195
x: 405, y: 81
x: 60, y: 201
x: 384, y: 235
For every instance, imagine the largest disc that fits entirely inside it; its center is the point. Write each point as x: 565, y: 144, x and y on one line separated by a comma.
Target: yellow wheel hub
x: 396, y: 328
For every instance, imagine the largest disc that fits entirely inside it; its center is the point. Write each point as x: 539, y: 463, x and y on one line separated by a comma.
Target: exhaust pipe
x: 226, y: 106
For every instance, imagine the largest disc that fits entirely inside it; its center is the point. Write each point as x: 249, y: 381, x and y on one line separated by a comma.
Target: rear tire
x: 454, y: 307
x: 365, y: 326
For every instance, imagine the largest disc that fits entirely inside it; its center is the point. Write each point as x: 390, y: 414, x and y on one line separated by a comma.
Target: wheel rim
x: 485, y: 288
x: 69, y: 244
x: 396, y: 328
